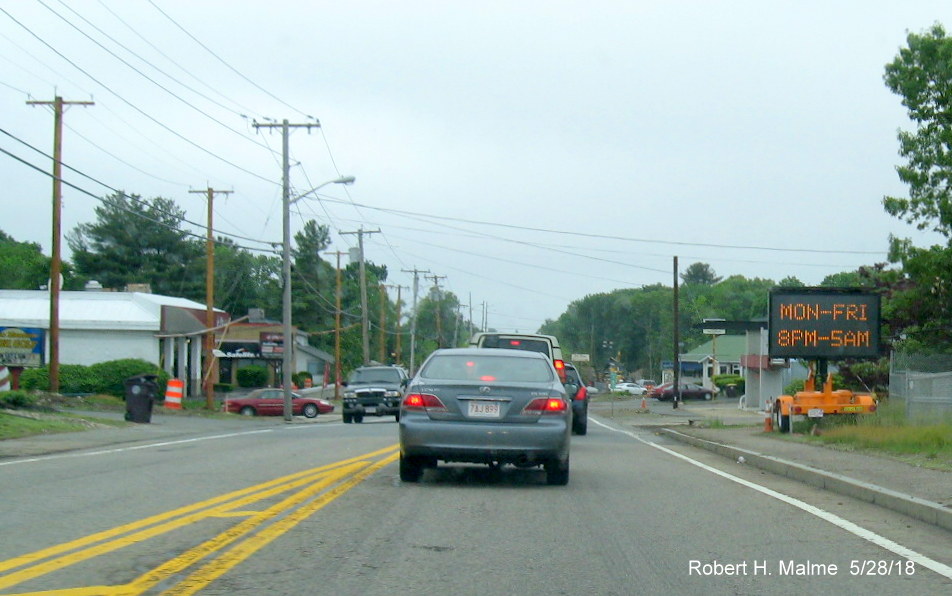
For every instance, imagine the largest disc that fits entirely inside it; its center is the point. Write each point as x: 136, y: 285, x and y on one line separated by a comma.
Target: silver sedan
x: 492, y: 407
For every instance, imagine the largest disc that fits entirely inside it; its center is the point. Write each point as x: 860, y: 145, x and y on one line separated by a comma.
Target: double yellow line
x: 303, y: 493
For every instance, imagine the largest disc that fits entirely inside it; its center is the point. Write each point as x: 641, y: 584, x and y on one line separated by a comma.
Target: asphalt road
x: 257, y: 506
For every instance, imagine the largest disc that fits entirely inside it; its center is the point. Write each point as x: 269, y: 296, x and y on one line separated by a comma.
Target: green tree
x: 22, y: 264
x: 922, y: 75
x: 313, y: 284
x: 244, y: 280
x: 137, y: 240
x: 700, y: 274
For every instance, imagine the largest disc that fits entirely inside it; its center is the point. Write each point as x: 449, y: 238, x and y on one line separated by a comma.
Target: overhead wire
x: 107, y: 186
x: 184, y: 70
x: 603, y: 236
x: 135, y: 107
x: 150, y: 79
x: 226, y: 64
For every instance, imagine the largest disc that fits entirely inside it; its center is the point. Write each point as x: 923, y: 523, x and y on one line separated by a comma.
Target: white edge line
x: 881, y: 541
x: 133, y: 448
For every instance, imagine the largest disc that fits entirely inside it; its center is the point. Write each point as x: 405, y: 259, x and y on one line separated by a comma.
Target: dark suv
x: 374, y: 391
x: 579, y: 395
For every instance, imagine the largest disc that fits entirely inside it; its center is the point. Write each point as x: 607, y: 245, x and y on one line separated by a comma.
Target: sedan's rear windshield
x: 488, y: 368
x: 375, y: 375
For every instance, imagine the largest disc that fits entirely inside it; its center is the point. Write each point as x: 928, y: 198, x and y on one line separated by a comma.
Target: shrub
x: 722, y: 381
x: 253, y: 375
x: 103, y: 377
x: 35, y: 379
x: 17, y: 399
x: 299, y: 378
x: 111, y: 375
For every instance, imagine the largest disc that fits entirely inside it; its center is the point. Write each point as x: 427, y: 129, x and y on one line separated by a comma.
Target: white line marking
x: 133, y: 448
x: 832, y: 518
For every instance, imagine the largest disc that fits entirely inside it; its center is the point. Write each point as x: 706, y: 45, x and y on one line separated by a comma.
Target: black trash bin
x: 731, y: 390
x: 140, y: 395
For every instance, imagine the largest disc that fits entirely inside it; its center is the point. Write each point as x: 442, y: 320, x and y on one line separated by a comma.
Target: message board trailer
x: 819, y: 324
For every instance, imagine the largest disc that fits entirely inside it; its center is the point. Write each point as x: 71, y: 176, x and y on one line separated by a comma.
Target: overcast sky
x: 531, y: 152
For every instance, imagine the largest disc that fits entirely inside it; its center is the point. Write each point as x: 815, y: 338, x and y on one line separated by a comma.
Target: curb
x: 921, y: 509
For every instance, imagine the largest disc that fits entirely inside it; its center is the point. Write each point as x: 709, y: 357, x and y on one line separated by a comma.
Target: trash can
x: 731, y: 390
x: 140, y: 395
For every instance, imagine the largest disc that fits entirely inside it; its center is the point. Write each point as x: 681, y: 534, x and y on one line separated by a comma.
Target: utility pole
x: 364, y: 322
x: 439, y: 304
x: 459, y: 315
x: 416, y: 290
x: 208, y: 387
x: 383, y: 323
x: 56, y: 262
x: 677, y: 341
x: 288, y: 342
x: 337, y: 327
x: 398, y: 352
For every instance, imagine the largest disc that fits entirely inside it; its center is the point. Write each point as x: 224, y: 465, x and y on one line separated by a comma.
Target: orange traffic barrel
x: 173, y: 394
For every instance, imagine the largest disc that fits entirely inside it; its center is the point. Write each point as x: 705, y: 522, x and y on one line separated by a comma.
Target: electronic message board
x: 823, y: 323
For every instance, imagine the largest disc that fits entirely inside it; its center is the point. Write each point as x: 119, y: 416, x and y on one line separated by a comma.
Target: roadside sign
x: 580, y: 358
x: 713, y: 329
x: 21, y: 346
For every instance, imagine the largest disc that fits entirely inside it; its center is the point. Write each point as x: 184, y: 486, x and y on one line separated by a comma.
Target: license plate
x: 815, y: 413
x: 370, y: 409
x: 484, y: 409
x: 852, y: 408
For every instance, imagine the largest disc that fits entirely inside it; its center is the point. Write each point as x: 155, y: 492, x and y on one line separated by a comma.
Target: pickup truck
x: 374, y: 391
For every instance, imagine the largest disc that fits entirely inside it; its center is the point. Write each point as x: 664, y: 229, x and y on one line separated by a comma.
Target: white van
x: 533, y: 342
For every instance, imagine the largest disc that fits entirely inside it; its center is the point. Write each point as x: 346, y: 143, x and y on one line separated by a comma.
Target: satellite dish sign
x: 831, y: 323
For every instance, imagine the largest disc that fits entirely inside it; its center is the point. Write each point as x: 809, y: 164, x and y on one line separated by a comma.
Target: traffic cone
x: 173, y: 394
x: 768, y: 419
x: 644, y: 403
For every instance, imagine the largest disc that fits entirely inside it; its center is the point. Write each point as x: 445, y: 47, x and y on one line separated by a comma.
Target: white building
x: 101, y: 326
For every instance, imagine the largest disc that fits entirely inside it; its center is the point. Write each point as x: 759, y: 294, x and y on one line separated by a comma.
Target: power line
x: 134, y: 107
x: 127, y: 196
x: 150, y: 79
x: 229, y: 66
x: 171, y: 60
x: 426, y: 216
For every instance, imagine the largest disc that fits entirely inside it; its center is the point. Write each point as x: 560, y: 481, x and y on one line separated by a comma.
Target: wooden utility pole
x: 439, y: 306
x: 337, y: 327
x: 383, y: 323
x: 208, y: 385
x: 287, y: 353
x: 364, y: 318
x: 398, y: 353
x: 677, y: 341
x: 56, y: 262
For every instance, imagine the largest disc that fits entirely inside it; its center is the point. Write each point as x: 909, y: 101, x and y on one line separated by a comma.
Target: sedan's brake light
x: 545, y: 405
x: 423, y: 401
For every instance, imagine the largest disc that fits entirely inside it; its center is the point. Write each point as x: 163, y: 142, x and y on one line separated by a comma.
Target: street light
x: 286, y: 301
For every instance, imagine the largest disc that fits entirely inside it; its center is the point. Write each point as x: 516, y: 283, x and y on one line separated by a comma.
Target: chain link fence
x: 923, y: 382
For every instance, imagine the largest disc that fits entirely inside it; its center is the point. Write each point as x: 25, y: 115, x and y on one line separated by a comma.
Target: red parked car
x: 270, y: 402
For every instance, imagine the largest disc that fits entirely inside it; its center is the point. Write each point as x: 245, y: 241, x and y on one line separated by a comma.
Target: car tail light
x: 423, y: 401
x: 581, y: 394
x: 545, y: 405
x: 560, y: 368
